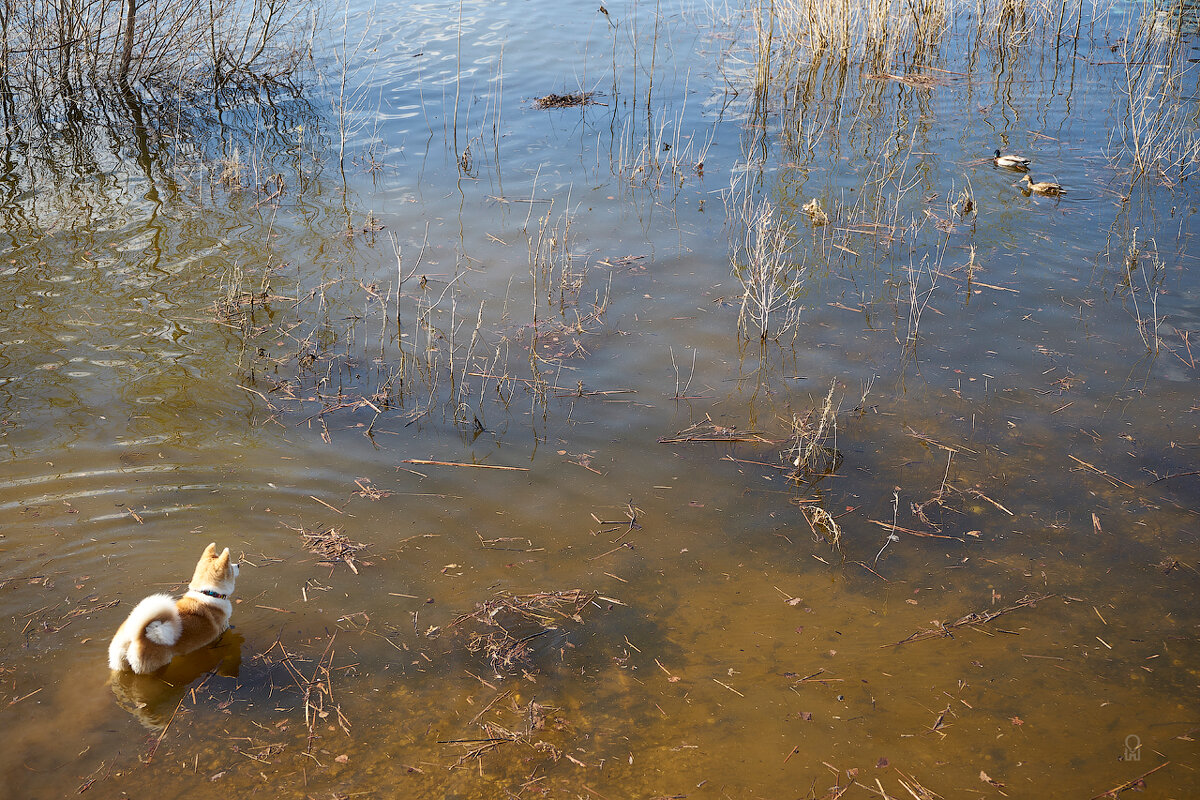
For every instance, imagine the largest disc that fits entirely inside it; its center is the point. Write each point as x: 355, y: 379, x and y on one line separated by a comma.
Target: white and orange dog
x: 161, y: 627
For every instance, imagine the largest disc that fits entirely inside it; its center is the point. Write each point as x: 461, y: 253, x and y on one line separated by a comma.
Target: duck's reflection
x: 153, y: 697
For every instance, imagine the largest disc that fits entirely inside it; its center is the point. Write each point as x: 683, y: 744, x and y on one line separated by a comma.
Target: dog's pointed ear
x: 211, y: 550
x: 223, y: 559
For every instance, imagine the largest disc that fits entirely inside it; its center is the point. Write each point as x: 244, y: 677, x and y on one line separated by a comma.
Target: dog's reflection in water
x: 154, y: 697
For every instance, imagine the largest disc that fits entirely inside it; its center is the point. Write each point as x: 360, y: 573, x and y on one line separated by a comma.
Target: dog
x: 161, y: 627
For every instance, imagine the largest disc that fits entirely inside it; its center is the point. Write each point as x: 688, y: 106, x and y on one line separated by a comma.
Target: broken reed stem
x: 470, y: 352
x: 1116, y: 790
x: 154, y: 748
x: 943, y: 630
x: 462, y: 464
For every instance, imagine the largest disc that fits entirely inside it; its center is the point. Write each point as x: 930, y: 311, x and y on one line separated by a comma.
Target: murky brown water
x: 149, y: 406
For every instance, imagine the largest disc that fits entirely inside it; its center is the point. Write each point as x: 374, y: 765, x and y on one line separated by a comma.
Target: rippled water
x: 187, y: 357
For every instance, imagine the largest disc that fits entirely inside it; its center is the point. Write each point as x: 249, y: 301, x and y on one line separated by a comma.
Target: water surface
x: 189, y: 356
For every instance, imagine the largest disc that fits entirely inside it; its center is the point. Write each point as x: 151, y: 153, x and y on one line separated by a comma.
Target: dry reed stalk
x: 918, y: 296
x: 874, y: 31
x: 318, y: 692
x: 1156, y: 132
x: 681, y: 393
x: 1146, y: 262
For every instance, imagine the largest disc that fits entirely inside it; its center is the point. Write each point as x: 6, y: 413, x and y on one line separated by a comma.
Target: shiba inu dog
x: 161, y: 627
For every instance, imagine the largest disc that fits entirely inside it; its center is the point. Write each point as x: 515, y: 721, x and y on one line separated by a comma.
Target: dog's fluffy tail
x: 156, y: 618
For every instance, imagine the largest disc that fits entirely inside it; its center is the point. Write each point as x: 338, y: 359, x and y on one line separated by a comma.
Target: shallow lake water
x: 489, y: 369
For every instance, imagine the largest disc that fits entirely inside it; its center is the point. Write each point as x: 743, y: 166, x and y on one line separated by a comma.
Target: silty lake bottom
x: 729, y: 426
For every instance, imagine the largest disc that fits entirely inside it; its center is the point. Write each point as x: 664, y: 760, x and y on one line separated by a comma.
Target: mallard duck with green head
x: 1011, y: 161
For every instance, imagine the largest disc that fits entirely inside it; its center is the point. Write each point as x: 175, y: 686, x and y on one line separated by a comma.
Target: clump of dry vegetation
x: 812, y: 448
x: 823, y: 525
x: 811, y: 455
x: 531, y: 724
x: 1144, y: 265
x: 236, y: 297
x: 564, y: 100
x: 334, y: 547
x: 772, y: 282
x: 506, y: 628
x: 233, y: 172
x: 816, y: 213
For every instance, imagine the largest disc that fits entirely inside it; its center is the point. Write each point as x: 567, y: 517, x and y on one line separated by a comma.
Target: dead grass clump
x: 564, y: 100
x: 772, y: 283
x: 1155, y: 134
x: 505, y: 628
x: 231, y: 299
x: 1143, y: 260
x: 513, y: 723
x: 816, y: 214
x: 237, y: 297
x: 809, y: 455
x: 333, y: 547
x: 233, y: 172
x: 965, y: 204
x: 823, y: 525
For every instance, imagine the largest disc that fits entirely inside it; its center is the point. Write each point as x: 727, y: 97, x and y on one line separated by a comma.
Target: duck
x: 1011, y: 161
x: 1043, y: 187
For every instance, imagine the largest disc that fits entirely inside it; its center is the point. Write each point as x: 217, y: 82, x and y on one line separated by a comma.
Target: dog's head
x: 215, y: 571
